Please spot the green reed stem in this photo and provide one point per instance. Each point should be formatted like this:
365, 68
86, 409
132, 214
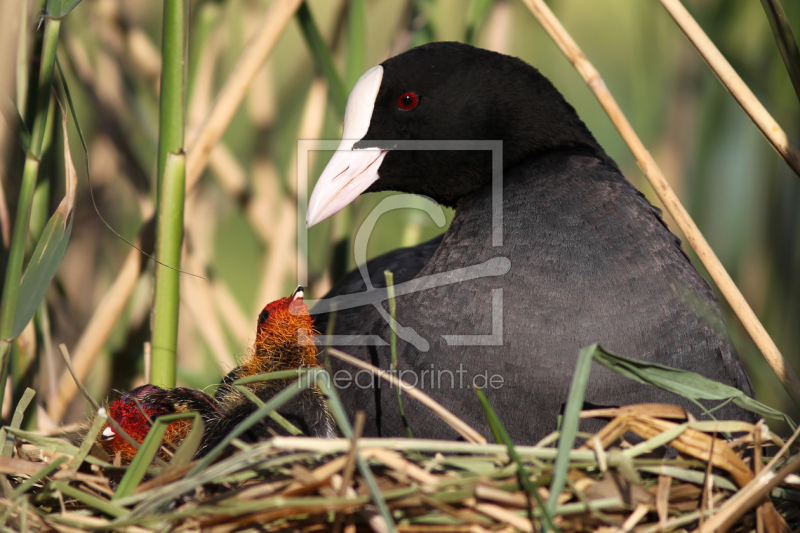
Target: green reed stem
393, 342
784, 37
322, 57
356, 41
170, 194
51, 30
166, 299
19, 236
171, 108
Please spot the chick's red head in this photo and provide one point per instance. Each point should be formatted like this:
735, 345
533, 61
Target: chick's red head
284, 337
131, 411
276, 314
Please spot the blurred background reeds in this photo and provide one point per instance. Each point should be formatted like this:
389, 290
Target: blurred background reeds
241, 216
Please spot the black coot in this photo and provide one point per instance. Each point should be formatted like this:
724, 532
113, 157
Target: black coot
584, 257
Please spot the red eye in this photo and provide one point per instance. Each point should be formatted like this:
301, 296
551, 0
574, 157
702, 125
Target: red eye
408, 101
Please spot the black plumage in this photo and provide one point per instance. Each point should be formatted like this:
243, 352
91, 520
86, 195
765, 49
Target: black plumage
591, 259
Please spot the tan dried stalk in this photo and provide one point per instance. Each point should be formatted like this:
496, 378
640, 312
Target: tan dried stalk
280, 258
232, 315
735, 85
463, 429
752, 495
197, 301
97, 331
670, 200
236, 87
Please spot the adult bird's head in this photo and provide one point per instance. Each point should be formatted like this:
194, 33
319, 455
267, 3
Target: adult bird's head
443, 91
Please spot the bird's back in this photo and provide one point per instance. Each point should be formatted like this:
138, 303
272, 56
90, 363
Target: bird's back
591, 261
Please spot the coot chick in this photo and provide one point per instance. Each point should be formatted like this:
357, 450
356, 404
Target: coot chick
588, 258
284, 341
136, 409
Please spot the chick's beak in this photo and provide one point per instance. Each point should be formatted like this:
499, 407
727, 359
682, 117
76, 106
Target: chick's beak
298, 293
296, 305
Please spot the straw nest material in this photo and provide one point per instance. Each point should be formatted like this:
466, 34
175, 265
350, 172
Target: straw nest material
303, 484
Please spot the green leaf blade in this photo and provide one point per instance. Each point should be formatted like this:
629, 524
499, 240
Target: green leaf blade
59, 8
683, 383
50, 249
570, 422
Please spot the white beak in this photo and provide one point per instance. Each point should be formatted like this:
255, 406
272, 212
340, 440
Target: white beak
297, 294
350, 171
348, 174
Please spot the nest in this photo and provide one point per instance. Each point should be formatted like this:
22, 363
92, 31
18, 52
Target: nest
709, 483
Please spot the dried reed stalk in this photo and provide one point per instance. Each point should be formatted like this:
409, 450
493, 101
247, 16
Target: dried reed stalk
464, 429
197, 301
673, 205
97, 331
752, 495
232, 315
236, 87
735, 85
279, 261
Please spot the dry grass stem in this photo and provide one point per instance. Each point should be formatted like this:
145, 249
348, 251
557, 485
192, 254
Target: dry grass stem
345, 488
197, 301
284, 230
295, 483
635, 517
232, 315
236, 87
97, 331
10, 15
463, 429
757, 467
266, 199
751, 495
662, 500
144, 54
229, 172
423, 445
503, 515
203, 87
734, 84
226, 168
670, 200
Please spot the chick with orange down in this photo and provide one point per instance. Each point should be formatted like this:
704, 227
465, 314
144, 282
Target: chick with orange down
284, 341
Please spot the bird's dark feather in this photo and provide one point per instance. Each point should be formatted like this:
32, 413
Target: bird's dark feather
591, 262
591, 259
